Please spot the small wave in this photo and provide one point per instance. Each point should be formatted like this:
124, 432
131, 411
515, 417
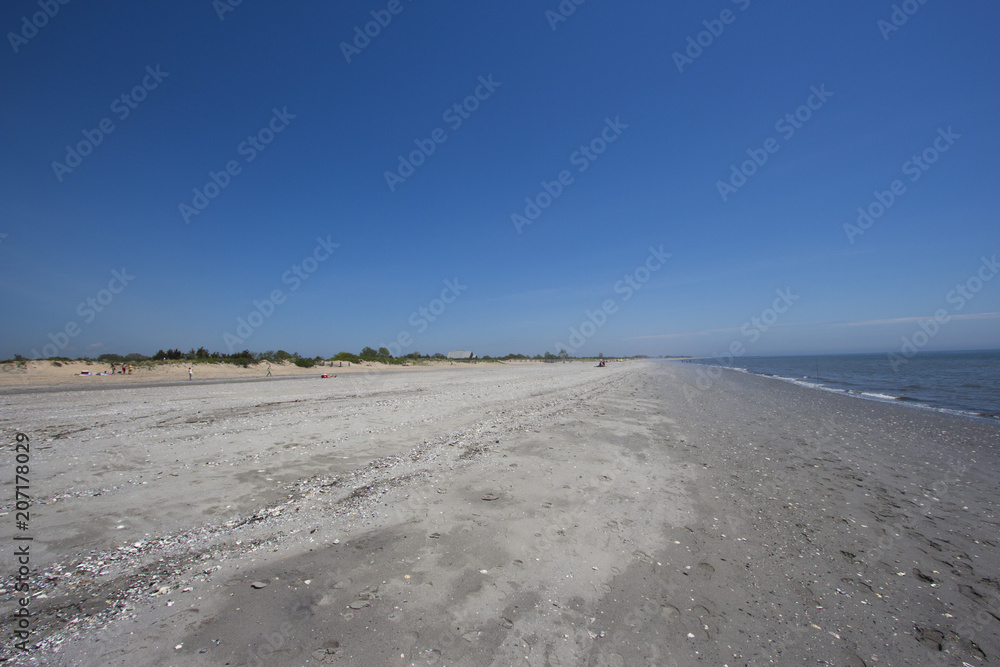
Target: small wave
814, 385
884, 397
966, 413
853, 389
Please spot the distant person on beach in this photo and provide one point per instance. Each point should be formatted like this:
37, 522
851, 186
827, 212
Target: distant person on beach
190, 373
269, 370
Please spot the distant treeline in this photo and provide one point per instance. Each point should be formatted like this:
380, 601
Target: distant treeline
246, 357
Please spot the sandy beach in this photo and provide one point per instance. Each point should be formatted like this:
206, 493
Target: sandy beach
537, 514
67, 374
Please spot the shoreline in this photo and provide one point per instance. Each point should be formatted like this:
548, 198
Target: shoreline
540, 513
872, 395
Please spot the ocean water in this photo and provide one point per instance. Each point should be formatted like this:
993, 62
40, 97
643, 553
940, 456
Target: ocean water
967, 383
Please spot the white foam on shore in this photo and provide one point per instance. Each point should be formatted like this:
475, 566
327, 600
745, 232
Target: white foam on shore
885, 397
871, 395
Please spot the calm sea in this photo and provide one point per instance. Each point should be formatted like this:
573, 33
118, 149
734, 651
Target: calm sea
962, 382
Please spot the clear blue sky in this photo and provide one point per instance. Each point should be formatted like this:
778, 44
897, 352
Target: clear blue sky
672, 128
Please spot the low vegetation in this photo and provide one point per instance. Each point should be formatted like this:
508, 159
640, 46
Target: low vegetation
246, 357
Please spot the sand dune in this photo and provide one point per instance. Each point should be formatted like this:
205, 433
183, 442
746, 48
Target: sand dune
68, 373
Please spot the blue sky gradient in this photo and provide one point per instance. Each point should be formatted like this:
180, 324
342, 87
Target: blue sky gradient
891, 91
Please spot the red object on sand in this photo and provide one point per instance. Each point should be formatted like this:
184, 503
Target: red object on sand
324, 375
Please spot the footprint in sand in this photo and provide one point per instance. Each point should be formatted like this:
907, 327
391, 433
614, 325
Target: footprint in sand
860, 585
990, 583
706, 620
703, 571
672, 616
929, 637
698, 622
972, 594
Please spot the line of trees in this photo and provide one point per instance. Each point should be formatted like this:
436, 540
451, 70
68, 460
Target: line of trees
246, 357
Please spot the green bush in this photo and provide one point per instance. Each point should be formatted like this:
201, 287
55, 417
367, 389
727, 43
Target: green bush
305, 363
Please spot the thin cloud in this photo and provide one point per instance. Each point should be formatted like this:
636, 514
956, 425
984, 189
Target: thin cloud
921, 318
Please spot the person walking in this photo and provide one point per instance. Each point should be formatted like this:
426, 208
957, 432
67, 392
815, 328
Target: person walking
190, 373
269, 370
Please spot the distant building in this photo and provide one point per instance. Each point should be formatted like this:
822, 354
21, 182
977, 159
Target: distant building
461, 354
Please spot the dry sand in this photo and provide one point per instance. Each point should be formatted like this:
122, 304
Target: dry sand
66, 374
541, 514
